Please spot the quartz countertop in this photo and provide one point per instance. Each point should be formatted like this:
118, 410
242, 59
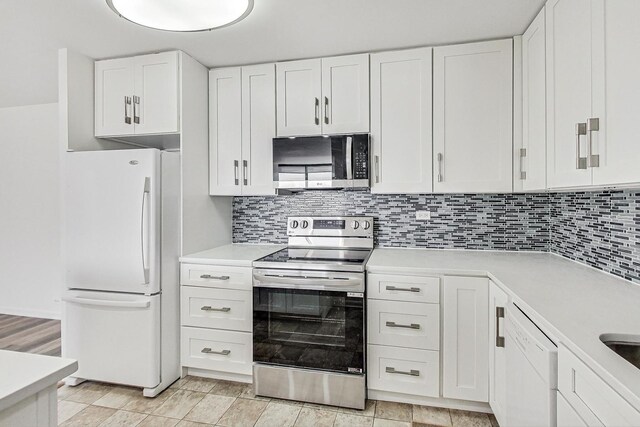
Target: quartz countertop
235, 254
573, 303
24, 374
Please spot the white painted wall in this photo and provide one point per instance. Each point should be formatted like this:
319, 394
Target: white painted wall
30, 255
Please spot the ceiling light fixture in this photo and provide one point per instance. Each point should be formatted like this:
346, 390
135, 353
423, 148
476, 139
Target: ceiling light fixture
182, 15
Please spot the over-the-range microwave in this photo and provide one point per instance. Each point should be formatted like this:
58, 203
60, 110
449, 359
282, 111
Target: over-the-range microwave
321, 162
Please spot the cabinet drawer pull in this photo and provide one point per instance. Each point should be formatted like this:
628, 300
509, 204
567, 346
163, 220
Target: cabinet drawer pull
399, 325
207, 350
412, 372
499, 315
209, 308
394, 288
581, 129
208, 276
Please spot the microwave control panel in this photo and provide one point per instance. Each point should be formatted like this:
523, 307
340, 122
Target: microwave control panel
361, 158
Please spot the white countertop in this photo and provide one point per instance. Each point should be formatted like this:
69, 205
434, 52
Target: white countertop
236, 254
573, 303
23, 375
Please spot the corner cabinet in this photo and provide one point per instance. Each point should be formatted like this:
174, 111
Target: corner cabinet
498, 300
401, 132
472, 117
137, 95
242, 125
323, 96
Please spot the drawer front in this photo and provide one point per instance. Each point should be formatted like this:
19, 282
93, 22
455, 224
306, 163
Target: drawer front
404, 324
217, 350
593, 399
404, 288
405, 371
213, 276
217, 308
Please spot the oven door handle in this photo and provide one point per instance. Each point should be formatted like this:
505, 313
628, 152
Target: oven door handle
308, 282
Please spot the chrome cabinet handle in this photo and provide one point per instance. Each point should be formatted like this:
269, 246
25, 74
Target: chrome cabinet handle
393, 288
326, 110
236, 180
376, 160
399, 325
593, 125
127, 103
146, 193
499, 315
581, 129
245, 167
523, 154
208, 276
412, 372
440, 157
136, 116
317, 110
207, 350
209, 308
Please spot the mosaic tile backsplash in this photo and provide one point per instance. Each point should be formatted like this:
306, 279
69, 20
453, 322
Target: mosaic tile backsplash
601, 229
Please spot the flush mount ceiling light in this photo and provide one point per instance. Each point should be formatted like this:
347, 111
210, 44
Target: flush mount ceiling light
182, 15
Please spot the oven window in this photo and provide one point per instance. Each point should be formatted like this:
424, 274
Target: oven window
308, 329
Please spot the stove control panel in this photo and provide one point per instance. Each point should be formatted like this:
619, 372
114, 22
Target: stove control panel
343, 226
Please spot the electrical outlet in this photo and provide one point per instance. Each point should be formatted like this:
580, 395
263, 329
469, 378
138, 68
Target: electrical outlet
423, 215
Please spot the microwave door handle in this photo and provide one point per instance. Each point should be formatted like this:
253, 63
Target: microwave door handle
349, 156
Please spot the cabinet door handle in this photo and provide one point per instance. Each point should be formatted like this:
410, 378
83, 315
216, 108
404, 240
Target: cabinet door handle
136, 116
127, 103
317, 111
207, 350
377, 167
499, 315
440, 157
326, 110
412, 372
245, 167
523, 154
581, 129
208, 276
593, 125
399, 325
209, 308
235, 172
393, 288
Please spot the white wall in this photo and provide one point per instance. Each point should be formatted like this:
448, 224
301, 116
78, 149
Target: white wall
30, 256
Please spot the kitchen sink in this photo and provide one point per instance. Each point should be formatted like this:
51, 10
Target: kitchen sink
625, 346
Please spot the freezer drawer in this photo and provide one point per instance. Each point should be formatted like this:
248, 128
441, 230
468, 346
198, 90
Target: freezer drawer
114, 337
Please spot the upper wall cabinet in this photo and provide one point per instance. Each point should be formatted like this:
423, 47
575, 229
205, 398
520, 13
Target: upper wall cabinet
401, 113
328, 95
242, 123
533, 157
137, 95
472, 117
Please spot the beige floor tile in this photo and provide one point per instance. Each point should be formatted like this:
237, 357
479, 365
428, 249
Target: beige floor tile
228, 388
393, 411
351, 420
278, 414
210, 409
181, 382
124, 419
381, 422
288, 402
203, 385
185, 423
89, 392
179, 404
67, 409
312, 417
469, 419
139, 403
368, 411
65, 391
155, 421
243, 412
118, 397
90, 416
431, 415
322, 407
247, 393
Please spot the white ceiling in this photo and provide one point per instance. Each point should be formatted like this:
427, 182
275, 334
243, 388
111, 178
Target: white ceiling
31, 31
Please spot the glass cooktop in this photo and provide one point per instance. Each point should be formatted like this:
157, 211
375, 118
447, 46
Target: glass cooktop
315, 259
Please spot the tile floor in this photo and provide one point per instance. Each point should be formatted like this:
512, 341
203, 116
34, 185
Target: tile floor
193, 401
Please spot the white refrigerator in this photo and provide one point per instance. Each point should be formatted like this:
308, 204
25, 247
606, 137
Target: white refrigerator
121, 249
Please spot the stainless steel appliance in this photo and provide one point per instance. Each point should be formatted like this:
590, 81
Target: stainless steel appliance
337, 161
309, 313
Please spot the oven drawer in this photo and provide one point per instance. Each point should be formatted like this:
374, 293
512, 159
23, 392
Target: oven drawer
407, 371
404, 288
217, 308
217, 350
404, 324
214, 276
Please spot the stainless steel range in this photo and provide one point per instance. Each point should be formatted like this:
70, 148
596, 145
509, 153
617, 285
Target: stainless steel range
309, 313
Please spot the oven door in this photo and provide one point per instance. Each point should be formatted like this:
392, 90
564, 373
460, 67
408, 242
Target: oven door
308, 328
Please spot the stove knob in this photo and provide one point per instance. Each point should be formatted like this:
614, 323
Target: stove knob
355, 225
366, 225
293, 224
304, 224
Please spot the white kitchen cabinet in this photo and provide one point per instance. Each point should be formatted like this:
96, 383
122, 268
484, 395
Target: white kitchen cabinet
472, 117
323, 96
567, 416
401, 113
465, 342
498, 300
533, 155
242, 125
137, 95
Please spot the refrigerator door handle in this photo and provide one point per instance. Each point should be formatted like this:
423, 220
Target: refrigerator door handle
107, 303
144, 228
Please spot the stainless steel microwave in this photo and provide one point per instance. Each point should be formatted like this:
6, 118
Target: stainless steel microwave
321, 162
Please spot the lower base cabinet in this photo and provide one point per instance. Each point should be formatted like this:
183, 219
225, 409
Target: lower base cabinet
567, 416
498, 301
217, 350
